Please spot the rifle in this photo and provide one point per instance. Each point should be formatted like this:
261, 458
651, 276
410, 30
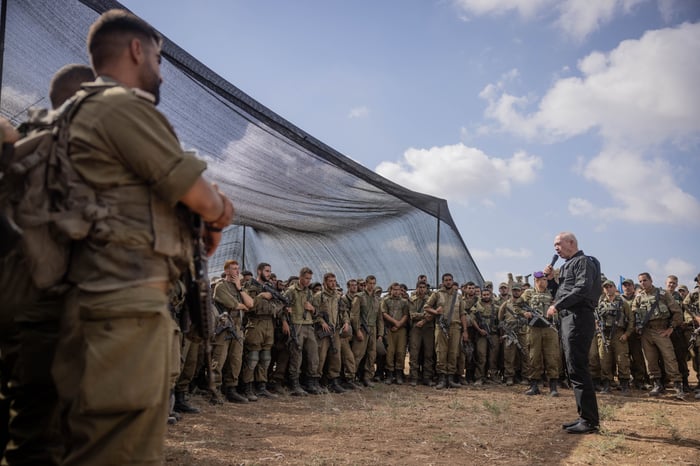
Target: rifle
468, 350
639, 325
198, 294
444, 322
484, 326
276, 295
510, 337
693, 338
226, 324
601, 330
538, 320
321, 334
293, 337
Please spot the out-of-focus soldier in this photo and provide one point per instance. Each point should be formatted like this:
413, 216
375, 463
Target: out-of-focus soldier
422, 341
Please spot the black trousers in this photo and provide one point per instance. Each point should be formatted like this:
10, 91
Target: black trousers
577, 328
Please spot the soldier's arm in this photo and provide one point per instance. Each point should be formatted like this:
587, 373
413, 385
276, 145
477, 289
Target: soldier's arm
630, 318
355, 314
405, 315
223, 296
674, 307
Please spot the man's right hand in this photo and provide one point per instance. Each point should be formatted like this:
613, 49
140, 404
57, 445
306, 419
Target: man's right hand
8, 133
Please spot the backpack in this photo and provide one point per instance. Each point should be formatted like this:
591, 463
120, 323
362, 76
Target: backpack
44, 195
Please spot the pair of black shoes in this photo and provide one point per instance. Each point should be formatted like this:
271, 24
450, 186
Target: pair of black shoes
579, 426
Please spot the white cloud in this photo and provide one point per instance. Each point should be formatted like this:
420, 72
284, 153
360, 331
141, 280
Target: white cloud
483, 254
460, 173
576, 18
639, 96
359, 112
673, 266
642, 92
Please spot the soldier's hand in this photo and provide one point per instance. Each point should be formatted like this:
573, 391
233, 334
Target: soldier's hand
552, 311
285, 327
265, 295
482, 332
667, 332
623, 338
527, 314
438, 310
420, 323
465, 336
360, 336
309, 307
394, 328
325, 327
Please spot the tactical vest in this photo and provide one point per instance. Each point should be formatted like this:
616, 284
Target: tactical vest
298, 297
540, 301
330, 305
647, 303
395, 307
442, 298
261, 307
613, 313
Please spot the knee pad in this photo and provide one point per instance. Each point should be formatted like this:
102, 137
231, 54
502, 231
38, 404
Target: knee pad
265, 358
252, 358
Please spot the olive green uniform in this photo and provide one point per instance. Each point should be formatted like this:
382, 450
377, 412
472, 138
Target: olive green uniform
658, 311
397, 308
543, 342
306, 346
366, 316
486, 347
447, 346
511, 314
347, 358
618, 321
259, 335
112, 365
326, 303
638, 368
422, 340
691, 307
227, 350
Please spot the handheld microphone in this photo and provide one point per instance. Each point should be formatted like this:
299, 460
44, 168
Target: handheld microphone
555, 258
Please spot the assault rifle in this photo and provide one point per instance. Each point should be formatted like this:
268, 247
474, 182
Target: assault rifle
693, 338
293, 337
601, 330
468, 350
510, 337
538, 320
321, 334
276, 295
198, 297
483, 325
224, 323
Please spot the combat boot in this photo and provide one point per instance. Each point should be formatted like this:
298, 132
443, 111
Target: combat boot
686, 385
534, 388
453, 382
509, 381
249, 392
625, 387
182, 406
313, 388
442, 382
658, 388
367, 383
335, 387
234, 397
553, 387
399, 377
605, 387
389, 379
261, 390
215, 399
295, 389
680, 394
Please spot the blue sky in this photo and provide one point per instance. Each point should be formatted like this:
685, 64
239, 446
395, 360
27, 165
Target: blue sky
529, 116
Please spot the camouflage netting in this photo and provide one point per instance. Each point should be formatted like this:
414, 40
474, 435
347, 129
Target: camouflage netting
299, 202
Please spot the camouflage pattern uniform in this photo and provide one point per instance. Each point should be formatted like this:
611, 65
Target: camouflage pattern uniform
422, 339
543, 342
618, 321
398, 309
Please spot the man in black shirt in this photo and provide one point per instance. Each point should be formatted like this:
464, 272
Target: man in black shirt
576, 297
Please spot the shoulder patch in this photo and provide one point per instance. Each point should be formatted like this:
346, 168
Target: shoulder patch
140, 93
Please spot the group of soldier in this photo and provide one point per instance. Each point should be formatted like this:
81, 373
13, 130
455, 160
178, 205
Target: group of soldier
297, 338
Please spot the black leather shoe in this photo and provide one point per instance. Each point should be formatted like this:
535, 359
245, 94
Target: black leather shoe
582, 427
566, 425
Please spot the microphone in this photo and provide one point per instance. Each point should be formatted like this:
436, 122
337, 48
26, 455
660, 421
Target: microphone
555, 258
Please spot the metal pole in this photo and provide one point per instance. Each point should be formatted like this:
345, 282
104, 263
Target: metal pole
243, 251
3, 18
437, 250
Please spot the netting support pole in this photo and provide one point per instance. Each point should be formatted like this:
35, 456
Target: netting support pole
437, 250
243, 251
3, 18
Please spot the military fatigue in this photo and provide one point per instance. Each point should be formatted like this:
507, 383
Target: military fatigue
543, 342
307, 343
365, 310
487, 346
691, 306
326, 303
465, 368
397, 308
618, 321
259, 336
638, 367
118, 322
680, 341
447, 346
347, 358
227, 350
511, 315
189, 357
662, 312
422, 340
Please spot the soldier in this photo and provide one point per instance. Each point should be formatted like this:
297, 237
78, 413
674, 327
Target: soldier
395, 312
615, 321
503, 294
304, 343
368, 326
118, 322
638, 366
691, 304
657, 315
448, 309
512, 318
465, 366
487, 341
422, 338
678, 337
259, 334
346, 356
543, 339
29, 331
231, 300
329, 323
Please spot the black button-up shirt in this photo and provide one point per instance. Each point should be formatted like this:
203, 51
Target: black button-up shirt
579, 284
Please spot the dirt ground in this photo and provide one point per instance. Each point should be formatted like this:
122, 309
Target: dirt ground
394, 424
